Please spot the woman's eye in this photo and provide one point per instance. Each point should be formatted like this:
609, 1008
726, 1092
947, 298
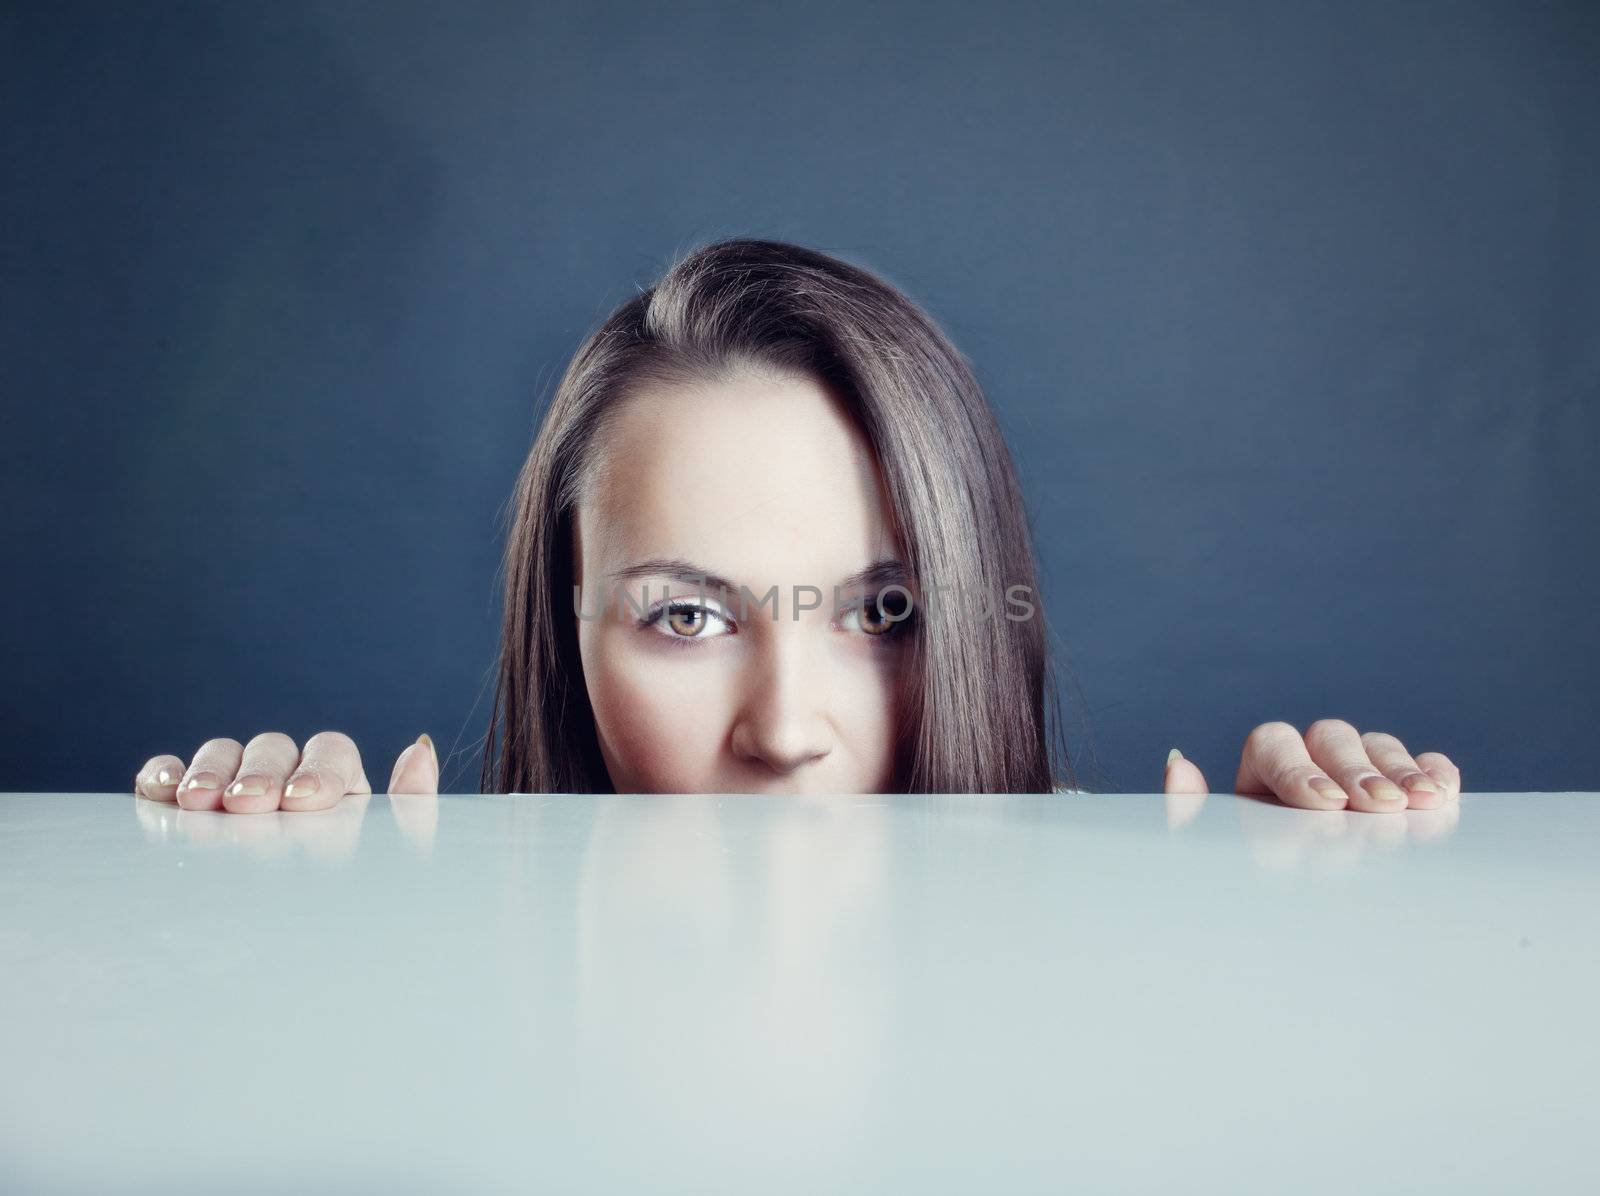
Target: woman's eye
880, 615
689, 620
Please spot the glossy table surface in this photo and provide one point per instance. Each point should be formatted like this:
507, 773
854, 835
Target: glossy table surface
755, 994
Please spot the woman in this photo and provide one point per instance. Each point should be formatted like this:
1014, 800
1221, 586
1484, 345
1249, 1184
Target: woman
769, 539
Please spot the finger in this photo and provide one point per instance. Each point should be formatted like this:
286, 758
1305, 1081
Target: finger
214, 765
158, 779
417, 768
329, 768
1275, 763
1183, 775
268, 760
1336, 747
1438, 766
1392, 759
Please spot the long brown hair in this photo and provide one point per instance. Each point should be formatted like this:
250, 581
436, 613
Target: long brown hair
978, 689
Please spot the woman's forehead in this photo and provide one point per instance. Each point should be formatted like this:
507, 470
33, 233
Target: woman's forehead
753, 475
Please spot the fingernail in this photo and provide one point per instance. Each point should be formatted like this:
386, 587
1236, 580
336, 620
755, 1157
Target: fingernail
302, 785
1439, 777
427, 742
1417, 783
1174, 754
1382, 789
247, 787
203, 780
167, 776
1326, 788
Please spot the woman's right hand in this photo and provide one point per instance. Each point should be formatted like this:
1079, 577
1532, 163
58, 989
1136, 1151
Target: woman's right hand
270, 773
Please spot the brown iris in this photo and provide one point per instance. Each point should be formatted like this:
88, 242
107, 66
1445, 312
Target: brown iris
882, 612
687, 620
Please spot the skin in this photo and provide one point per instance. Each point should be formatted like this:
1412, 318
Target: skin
767, 482
1331, 767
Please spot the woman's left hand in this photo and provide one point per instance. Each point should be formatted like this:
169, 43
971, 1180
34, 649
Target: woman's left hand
1334, 767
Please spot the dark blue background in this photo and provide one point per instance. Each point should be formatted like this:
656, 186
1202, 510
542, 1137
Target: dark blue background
1289, 311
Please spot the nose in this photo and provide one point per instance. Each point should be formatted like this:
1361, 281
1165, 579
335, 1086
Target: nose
782, 723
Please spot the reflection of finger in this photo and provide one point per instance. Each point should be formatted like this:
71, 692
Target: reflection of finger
202, 827
1335, 841
1183, 808
158, 820
326, 834
1427, 826
1275, 842
1289, 840
1382, 831
211, 828
261, 837
417, 816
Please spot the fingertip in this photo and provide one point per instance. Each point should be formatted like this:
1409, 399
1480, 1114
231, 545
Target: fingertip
1180, 780
1320, 793
415, 771
1182, 775
1451, 789
322, 798
1372, 805
431, 768
200, 799
1378, 795
158, 782
1314, 802
1423, 799
250, 797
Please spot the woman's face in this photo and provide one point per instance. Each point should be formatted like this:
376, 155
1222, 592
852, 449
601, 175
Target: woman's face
754, 482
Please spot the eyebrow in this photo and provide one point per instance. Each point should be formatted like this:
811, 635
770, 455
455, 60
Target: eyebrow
886, 572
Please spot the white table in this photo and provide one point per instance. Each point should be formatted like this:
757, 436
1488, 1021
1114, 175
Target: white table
748, 994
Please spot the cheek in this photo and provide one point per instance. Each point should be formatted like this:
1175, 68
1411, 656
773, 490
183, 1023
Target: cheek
868, 707
662, 721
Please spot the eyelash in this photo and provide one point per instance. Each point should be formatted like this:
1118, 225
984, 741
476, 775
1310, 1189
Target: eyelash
660, 611
656, 613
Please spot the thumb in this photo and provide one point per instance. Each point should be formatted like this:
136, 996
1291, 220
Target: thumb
1183, 776
417, 769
